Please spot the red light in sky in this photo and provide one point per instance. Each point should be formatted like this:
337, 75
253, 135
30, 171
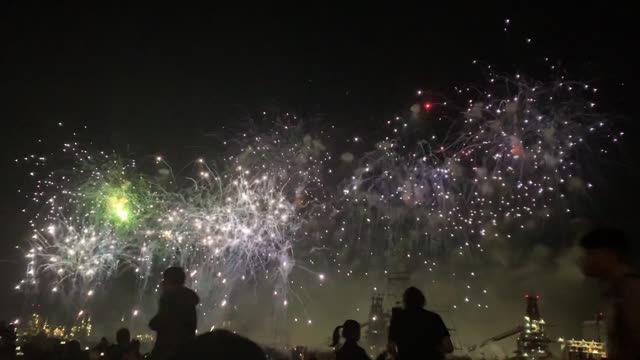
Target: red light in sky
526, 296
516, 150
427, 106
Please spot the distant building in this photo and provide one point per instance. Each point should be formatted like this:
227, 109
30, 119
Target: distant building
582, 349
595, 329
593, 348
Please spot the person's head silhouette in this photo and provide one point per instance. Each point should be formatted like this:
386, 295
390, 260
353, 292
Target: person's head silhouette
221, 344
173, 277
350, 332
413, 298
74, 348
123, 337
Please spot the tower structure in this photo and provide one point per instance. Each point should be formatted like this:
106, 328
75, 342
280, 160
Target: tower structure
376, 335
533, 342
379, 319
397, 282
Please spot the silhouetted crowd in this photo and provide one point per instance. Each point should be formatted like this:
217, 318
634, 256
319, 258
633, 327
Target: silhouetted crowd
414, 332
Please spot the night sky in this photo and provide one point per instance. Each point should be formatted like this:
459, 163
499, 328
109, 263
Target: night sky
155, 80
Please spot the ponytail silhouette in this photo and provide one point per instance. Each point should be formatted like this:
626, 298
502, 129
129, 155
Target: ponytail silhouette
336, 336
350, 332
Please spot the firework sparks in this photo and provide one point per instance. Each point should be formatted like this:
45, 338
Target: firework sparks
447, 179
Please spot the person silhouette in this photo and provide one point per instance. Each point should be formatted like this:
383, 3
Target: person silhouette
221, 344
7, 341
133, 351
418, 333
176, 321
73, 351
123, 340
351, 334
102, 347
606, 258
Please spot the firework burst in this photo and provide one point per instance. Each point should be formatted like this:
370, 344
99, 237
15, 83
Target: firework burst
448, 178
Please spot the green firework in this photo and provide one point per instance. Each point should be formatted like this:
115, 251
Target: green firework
117, 195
